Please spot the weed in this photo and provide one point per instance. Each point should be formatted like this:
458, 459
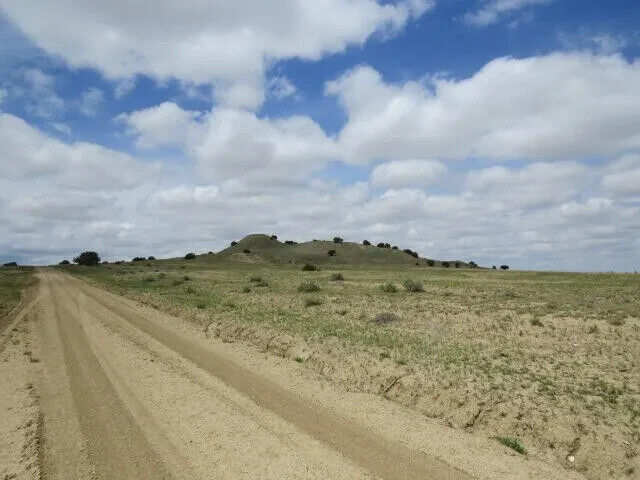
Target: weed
615, 321
336, 277
308, 287
255, 278
412, 286
312, 302
299, 359
246, 289
535, 321
388, 288
308, 267
385, 318
513, 443
201, 306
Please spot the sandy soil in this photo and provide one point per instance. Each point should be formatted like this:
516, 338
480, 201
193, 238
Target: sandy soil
113, 389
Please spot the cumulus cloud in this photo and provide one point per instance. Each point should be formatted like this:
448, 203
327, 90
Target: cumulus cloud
407, 173
39, 97
555, 106
29, 153
491, 10
237, 145
90, 101
227, 44
280, 87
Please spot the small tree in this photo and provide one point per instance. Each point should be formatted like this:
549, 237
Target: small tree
274, 237
246, 250
290, 242
395, 247
190, 256
87, 259
430, 262
494, 267
151, 257
337, 240
387, 245
64, 262
504, 267
331, 253
380, 245
366, 242
445, 264
457, 264
138, 259
473, 264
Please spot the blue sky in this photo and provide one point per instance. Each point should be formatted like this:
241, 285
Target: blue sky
500, 131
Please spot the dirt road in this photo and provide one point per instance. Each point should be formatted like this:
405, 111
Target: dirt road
114, 389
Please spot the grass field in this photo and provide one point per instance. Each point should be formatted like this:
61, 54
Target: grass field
550, 361
12, 282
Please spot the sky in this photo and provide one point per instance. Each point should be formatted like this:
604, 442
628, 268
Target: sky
498, 131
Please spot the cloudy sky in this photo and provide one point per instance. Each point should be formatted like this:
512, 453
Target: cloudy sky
499, 131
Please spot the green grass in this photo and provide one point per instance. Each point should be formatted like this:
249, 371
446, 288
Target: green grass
513, 443
13, 280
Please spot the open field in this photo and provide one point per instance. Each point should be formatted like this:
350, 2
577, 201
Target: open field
546, 363
94, 385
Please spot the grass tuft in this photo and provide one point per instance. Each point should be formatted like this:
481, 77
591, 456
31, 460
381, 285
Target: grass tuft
308, 287
513, 443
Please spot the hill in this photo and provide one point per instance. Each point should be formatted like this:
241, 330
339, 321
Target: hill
259, 248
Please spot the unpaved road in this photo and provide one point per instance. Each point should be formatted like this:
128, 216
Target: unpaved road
111, 389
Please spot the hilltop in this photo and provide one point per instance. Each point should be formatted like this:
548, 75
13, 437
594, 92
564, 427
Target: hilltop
260, 248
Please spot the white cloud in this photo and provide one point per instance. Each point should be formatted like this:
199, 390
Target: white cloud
163, 125
227, 44
555, 106
622, 177
29, 153
236, 145
3, 94
491, 11
90, 101
407, 173
40, 98
535, 185
124, 87
280, 87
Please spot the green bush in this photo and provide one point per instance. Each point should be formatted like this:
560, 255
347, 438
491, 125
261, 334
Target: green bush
446, 264
308, 287
412, 286
331, 253
255, 278
385, 318
336, 277
190, 256
308, 267
430, 262
388, 288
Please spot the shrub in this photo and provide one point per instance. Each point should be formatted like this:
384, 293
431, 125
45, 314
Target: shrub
87, 258
234, 243
387, 245
190, 256
201, 306
430, 262
504, 267
380, 245
337, 240
274, 237
210, 253
388, 288
513, 443
290, 242
262, 283
385, 318
445, 264
331, 253
246, 250
366, 242
138, 259
64, 262
151, 258
308, 267
494, 267
412, 286
408, 251
395, 247
255, 278
10, 264
457, 264
308, 287
336, 277
536, 322
616, 322
246, 289
312, 302
473, 264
